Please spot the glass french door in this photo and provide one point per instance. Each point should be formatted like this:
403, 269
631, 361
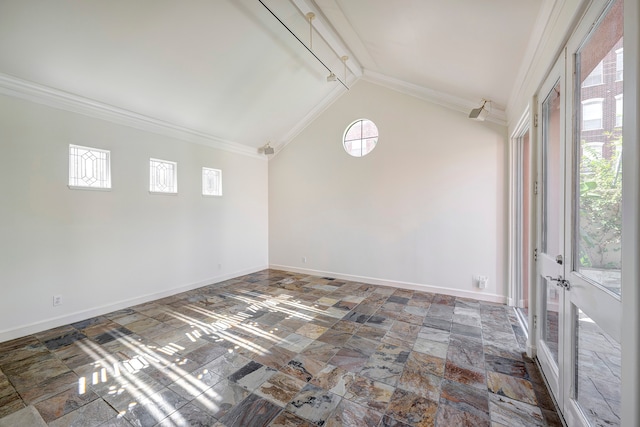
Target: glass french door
550, 258
594, 212
579, 267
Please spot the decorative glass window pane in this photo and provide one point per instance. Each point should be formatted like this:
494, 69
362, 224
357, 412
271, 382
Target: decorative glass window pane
211, 182
89, 167
163, 176
592, 114
619, 64
595, 78
360, 138
619, 108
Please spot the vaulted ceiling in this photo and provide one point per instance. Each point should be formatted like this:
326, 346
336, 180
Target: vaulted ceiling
229, 71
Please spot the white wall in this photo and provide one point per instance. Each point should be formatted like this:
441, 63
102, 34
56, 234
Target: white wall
105, 250
426, 208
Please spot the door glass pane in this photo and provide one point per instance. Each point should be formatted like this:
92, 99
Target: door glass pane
599, 132
597, 373
550, 331
551, 173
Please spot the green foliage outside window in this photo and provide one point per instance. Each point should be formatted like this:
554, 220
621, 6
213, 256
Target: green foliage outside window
601, 207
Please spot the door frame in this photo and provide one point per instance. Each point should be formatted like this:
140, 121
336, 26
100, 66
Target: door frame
631, 219
516, 271
546, 264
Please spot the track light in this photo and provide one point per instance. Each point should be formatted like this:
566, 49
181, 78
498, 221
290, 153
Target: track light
344, 62
332, 76
481, 113
310, 16
268, 149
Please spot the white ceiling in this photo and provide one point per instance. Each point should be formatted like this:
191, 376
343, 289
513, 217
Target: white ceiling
227, 69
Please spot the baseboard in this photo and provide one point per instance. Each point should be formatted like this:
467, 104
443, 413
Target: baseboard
55, 322
553, 399
500, 299
531, 350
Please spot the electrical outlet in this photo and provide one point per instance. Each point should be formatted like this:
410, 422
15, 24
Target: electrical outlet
57, 300
304, 259
482, 281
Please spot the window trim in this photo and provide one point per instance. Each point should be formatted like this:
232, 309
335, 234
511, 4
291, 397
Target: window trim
219, 173
107, 167
361, 139
175, 177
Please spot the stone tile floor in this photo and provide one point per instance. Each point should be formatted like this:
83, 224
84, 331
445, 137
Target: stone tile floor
281, 349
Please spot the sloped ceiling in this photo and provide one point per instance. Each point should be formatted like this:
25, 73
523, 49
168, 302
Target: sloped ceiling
470, 49
228, 70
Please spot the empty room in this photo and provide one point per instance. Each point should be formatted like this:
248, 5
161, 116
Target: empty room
239, 213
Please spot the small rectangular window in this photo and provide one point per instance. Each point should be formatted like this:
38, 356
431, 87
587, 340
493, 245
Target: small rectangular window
592, 114
211, 182
619, 64
619, 109
89, 167
163, 176
595, 78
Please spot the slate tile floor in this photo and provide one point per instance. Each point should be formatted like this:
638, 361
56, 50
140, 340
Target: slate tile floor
280, 349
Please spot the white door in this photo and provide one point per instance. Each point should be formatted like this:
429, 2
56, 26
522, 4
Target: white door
594, 220
580, 215
551, 175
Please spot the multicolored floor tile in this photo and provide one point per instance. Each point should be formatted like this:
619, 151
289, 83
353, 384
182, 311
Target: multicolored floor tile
252, 411
282, 349
314, 404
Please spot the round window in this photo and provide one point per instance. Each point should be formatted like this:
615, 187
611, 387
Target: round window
360, 138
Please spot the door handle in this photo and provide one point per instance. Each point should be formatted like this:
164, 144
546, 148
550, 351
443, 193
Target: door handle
560, 281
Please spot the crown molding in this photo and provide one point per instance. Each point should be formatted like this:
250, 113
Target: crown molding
497, 116
40, 94
319, 108
443, 99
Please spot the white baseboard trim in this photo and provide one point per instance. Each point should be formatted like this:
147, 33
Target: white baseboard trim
531, 351
54, 322
500, 299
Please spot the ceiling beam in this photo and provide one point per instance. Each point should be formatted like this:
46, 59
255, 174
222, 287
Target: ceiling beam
333, 40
